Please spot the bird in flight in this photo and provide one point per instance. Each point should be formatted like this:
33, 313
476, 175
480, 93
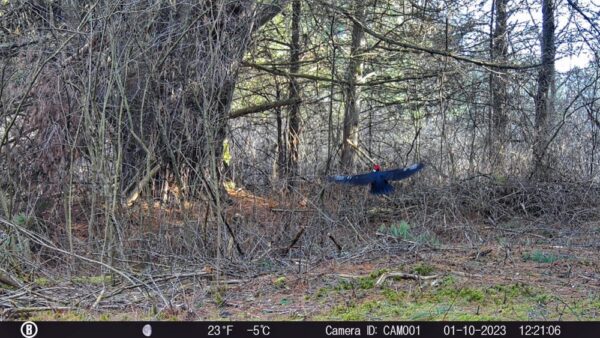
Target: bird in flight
378, 179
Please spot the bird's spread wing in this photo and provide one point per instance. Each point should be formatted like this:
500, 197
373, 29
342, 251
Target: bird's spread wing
363, 179
399, 174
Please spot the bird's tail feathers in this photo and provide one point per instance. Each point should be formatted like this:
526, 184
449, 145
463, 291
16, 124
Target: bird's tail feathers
382, 189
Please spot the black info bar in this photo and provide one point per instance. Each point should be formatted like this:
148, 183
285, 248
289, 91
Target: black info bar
299, 329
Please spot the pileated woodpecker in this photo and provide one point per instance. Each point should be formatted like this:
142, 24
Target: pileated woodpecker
378, 179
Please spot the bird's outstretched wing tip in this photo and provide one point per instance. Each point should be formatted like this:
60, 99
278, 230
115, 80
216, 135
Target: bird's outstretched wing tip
338, 178
416, 166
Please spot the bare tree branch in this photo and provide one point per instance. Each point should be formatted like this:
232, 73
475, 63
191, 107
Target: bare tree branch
262, 107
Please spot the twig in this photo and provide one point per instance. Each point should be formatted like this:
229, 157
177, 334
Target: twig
99, 298
296, 238
289, 210
588, 278
337, 245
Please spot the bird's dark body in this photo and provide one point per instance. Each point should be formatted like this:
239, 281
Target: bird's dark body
379, 180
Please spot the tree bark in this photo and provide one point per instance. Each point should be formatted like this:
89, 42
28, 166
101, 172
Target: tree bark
544, 99
352, 106
294, 119
280, 161
499, 114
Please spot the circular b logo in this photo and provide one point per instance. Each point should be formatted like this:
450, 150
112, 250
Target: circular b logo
29, 329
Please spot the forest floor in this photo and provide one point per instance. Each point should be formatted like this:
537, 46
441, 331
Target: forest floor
533, 282
535, 277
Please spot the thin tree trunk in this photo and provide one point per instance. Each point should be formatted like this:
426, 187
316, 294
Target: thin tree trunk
544, 99
352, 106
294, 122
499, 114
281, 143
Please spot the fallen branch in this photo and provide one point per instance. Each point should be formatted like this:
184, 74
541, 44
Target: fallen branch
402, 275
9, 279
141, 184
99, 298
349, 276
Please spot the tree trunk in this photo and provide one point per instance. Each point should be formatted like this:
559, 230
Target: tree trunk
544, 99
352, 107
499, 114
294, 122
280, 161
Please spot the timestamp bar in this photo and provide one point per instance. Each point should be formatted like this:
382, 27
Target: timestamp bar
298, 329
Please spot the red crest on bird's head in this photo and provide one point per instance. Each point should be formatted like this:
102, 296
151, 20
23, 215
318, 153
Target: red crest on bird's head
376, 167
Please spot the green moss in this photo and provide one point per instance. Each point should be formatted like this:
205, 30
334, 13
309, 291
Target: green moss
280, 282
229, 185
104, 317
393, 296
92, 280
355, 312
73, 315
448, 302
344, 284
471, 295
377, 273
448, 281
543, 298
366, 283
423, 269
322, 292
42, 281
460, 295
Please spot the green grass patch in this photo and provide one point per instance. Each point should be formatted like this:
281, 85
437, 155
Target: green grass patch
423, 269
540, 257
450, 302
402, 230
